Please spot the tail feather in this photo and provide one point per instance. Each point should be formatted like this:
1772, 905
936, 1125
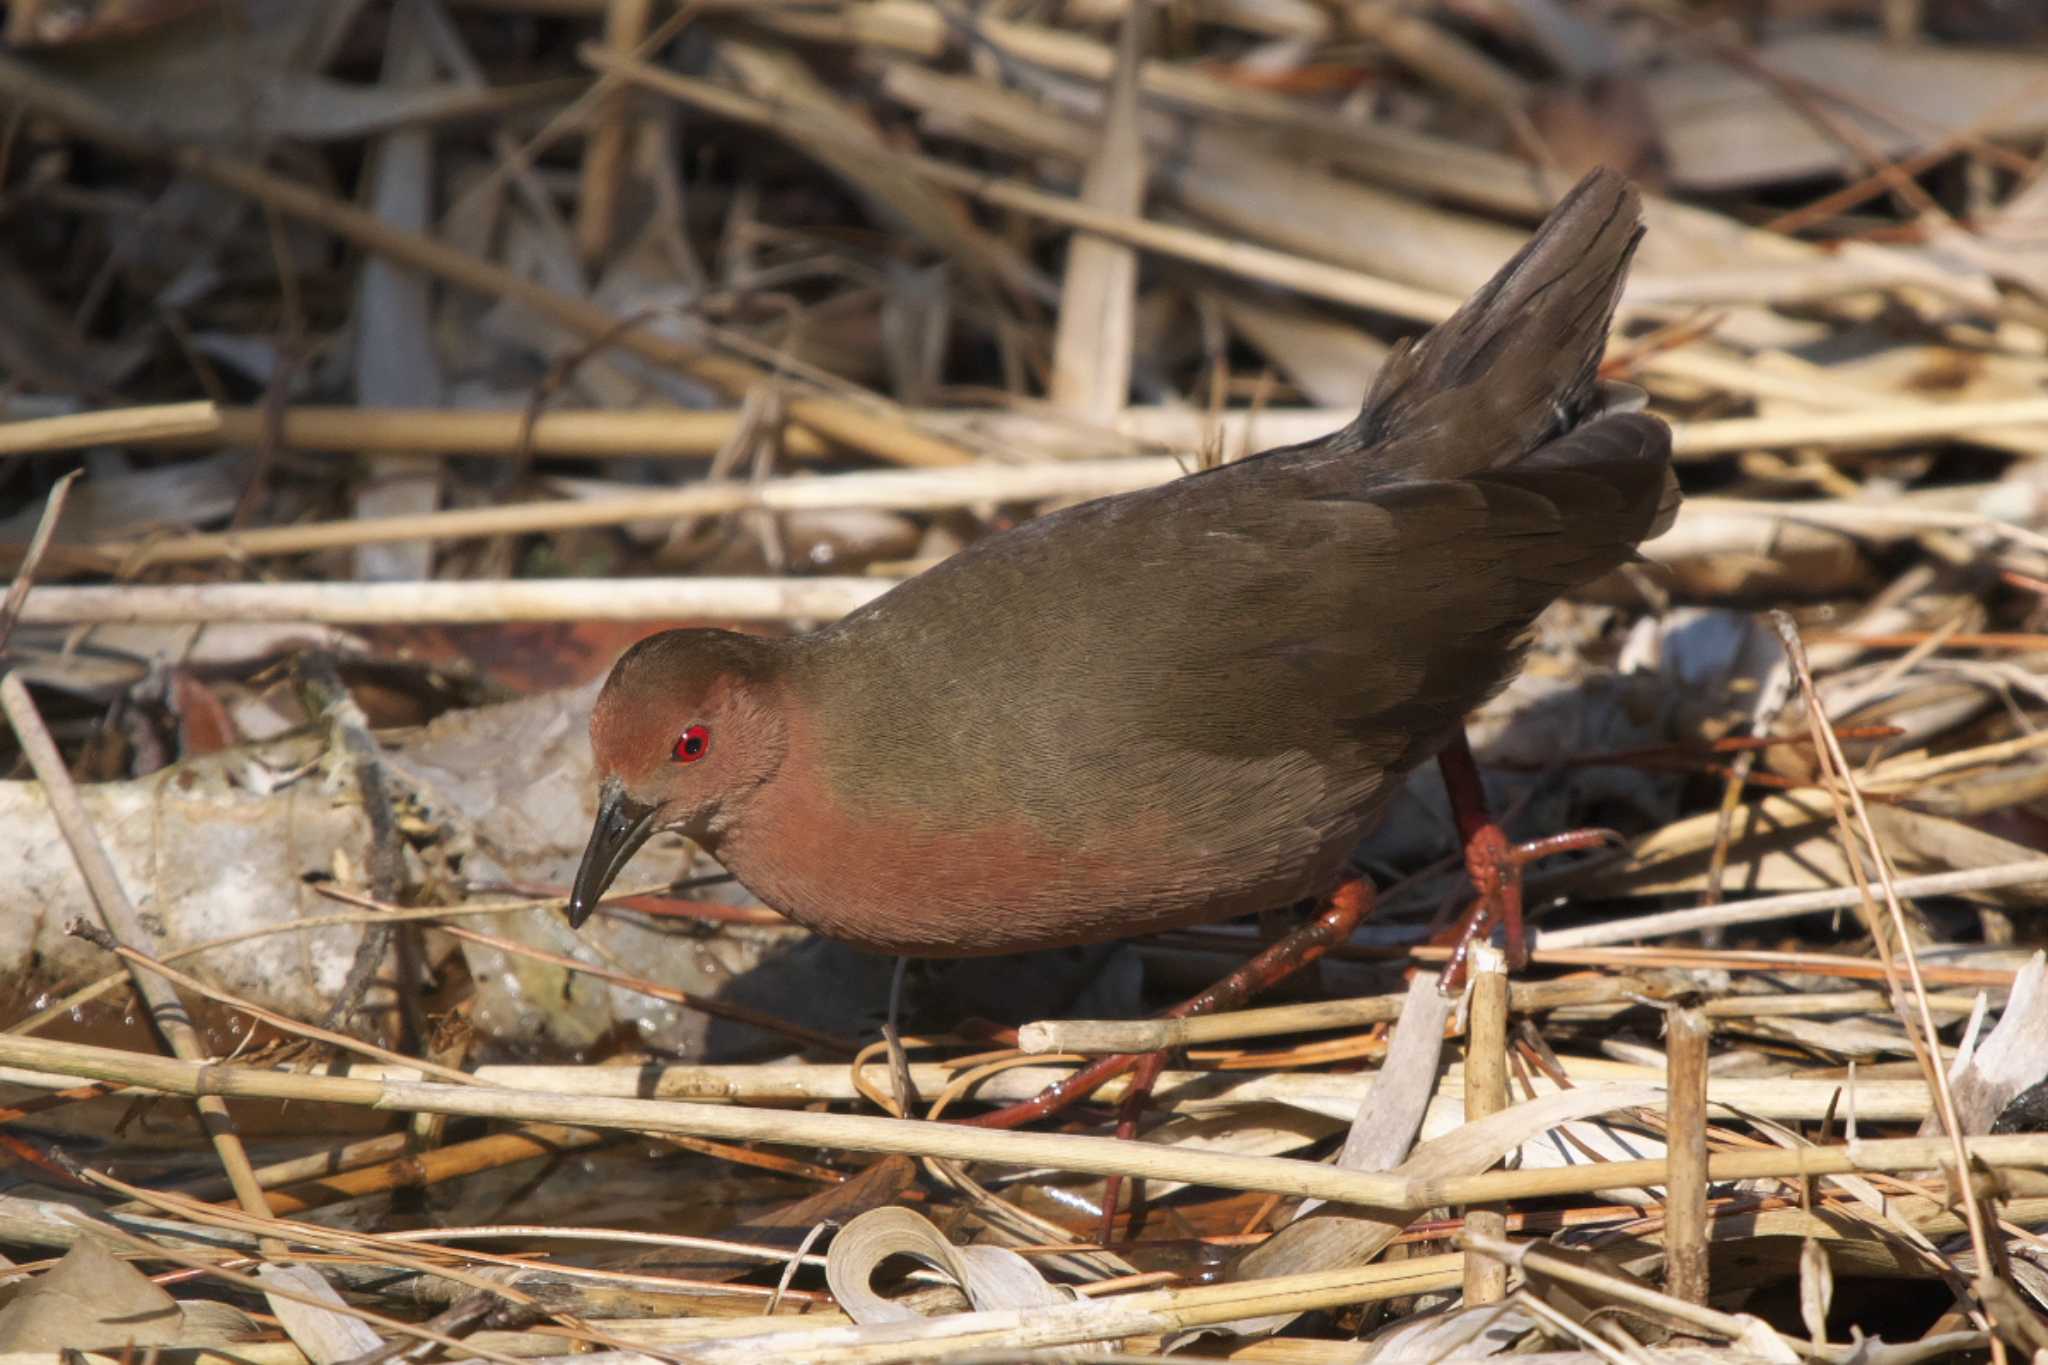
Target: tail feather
1518, 364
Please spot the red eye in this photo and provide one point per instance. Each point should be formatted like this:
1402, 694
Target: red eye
694, 744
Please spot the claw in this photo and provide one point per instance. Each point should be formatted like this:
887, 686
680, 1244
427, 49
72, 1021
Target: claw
1494, 865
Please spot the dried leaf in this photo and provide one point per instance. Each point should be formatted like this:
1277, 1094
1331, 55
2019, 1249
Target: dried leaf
990, 1277
91, 1298
1816, 1290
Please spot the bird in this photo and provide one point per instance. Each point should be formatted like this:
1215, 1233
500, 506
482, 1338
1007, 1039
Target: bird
1175, 705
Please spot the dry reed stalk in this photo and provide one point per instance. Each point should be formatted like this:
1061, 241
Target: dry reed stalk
1871, 427
1094, 335
491, 601
604, 152
153, 425
1375, 149
1103, 1037
141, 964
1785, 1099
699, 433
1486, 1093
1791, 903
1092, 1037
1810, 962
1864, 517
1686, 1035
631, 434
903, 490
332, 1161
282, 1296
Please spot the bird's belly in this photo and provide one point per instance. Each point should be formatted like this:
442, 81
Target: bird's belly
906, 888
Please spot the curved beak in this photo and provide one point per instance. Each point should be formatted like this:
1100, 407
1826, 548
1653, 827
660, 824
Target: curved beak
623, 824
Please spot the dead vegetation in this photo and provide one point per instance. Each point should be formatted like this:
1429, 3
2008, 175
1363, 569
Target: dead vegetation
419, 355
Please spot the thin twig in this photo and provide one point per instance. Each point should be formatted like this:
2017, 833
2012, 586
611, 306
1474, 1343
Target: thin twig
25, 576
1919, 1027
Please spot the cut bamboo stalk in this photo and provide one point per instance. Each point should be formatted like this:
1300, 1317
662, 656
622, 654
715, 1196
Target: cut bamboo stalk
1686, 1034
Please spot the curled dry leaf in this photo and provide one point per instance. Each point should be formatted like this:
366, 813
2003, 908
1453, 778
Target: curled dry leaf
990, 1277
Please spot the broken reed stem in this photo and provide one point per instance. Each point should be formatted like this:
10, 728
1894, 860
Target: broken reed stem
1686, 1034
118, 918
1093, 1155
1486, 1093
154, 424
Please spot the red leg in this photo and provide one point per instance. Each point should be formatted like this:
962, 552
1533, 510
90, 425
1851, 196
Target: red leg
1349, 904
1143, 1079
1494, 865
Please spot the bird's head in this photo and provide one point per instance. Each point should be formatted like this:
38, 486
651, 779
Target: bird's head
689, 724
